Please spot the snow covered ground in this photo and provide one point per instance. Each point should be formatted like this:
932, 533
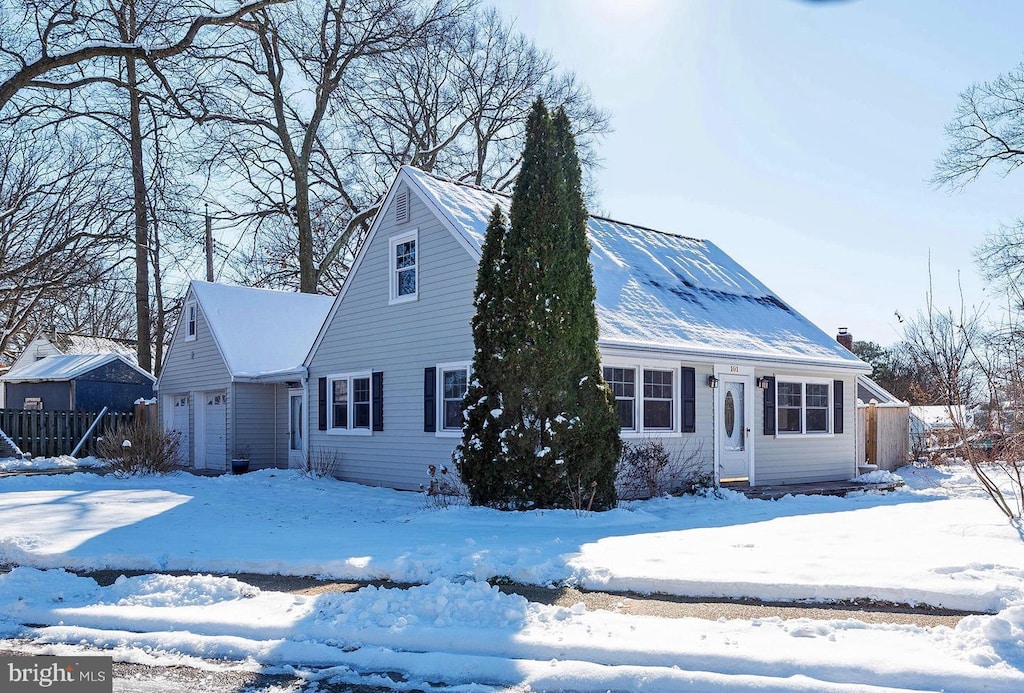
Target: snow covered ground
36, 464
939, 541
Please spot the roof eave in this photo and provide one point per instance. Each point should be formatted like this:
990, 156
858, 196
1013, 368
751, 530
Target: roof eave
746, 357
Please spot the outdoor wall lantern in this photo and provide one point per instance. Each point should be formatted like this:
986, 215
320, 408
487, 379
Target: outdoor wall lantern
712, 381
762, 383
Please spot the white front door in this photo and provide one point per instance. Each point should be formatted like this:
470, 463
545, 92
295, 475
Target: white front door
296, 420
733, 423
214, 432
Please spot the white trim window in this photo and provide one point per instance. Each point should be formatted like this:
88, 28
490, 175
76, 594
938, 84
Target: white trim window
349, 404
654, 409
403, 260
622, 381
803, 406
191, 321
452, 384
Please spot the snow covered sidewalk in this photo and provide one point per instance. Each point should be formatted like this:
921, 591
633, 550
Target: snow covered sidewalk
467, 633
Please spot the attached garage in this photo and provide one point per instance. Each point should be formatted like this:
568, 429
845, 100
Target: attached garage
234, 374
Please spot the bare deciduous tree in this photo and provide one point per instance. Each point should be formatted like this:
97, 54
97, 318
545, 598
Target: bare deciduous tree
53, 44
56, 225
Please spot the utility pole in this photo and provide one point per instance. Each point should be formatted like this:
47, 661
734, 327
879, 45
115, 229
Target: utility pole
209, 245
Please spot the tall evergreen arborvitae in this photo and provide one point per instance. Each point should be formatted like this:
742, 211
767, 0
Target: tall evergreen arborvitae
477, 455
549, 436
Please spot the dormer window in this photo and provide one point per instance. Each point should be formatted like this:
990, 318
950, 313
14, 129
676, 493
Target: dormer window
190, 321
404, 267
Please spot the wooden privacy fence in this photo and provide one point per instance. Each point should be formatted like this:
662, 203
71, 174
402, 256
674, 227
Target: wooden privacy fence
52, 433
883, 434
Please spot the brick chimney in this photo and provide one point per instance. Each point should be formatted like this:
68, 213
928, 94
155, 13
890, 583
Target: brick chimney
845, 338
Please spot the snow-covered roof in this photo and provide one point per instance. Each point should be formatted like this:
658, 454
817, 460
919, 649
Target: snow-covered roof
65, 367
260, 331
939, 416
661, 290
85, 344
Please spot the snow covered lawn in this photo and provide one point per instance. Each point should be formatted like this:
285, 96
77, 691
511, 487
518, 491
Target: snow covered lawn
938, 541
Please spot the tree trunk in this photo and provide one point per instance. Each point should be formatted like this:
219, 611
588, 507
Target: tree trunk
142, 317
304, 226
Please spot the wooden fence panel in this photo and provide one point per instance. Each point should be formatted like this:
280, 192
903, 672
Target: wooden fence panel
52, 433
883, 435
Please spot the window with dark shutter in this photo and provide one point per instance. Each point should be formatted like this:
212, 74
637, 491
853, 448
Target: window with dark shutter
430, 400
321, 392
769, 407
688, 405
378, 400
837, 406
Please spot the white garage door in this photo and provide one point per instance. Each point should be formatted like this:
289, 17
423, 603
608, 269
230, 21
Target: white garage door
179, 423
214, 430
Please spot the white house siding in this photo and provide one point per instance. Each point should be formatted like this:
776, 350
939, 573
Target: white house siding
400, 340
788, 459
261, 423
192, 367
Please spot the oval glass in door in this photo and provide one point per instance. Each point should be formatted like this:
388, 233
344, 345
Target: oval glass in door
732, 415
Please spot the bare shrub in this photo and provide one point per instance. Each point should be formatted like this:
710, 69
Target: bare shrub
646, 470
444, 488
321, 462
139, 448
581, 495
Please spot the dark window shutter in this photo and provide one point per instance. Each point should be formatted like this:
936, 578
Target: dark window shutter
322, 404
769, 407
430, 400
837, 406
688, 405
378, 400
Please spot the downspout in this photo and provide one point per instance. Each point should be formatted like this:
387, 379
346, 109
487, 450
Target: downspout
306, 428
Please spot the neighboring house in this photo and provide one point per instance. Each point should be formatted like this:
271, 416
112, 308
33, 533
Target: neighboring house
233, 376
50, 342
77, 382
927, 422
699, 354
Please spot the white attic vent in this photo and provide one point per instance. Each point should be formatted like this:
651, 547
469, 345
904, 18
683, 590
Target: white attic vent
402, 206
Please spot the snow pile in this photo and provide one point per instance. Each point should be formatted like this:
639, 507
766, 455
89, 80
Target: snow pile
879, 476
167, 590
441, 603
17, 464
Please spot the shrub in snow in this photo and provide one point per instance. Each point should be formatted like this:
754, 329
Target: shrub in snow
444, 488
321, 462
540, 428
646, 470
139, 448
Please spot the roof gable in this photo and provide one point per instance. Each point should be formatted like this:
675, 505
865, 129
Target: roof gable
660, 290
260, 331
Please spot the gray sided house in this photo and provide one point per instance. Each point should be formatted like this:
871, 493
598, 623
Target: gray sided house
699, 353
232, 382
77, 382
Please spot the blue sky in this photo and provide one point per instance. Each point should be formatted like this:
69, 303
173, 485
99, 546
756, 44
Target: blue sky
797, 136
